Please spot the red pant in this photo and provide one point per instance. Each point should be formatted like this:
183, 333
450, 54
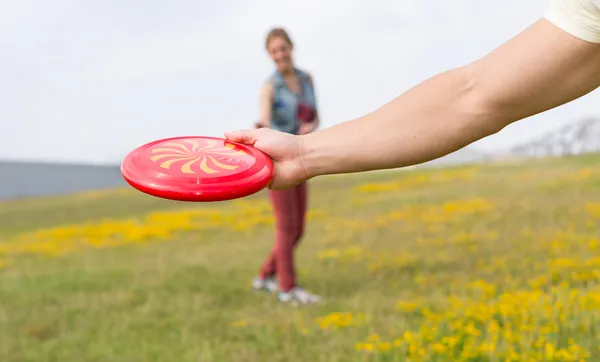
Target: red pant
290, 211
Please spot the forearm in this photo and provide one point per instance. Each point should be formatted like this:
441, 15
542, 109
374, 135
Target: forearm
437, 117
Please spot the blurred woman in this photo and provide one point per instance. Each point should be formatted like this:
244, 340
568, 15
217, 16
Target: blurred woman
287, 104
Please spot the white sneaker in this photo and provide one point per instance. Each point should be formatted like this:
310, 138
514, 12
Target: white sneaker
268, 284
298, 295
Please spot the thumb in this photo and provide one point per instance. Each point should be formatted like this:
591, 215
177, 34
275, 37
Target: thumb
247, 136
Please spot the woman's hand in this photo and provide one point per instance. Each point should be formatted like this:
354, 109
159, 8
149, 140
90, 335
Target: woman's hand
306, 128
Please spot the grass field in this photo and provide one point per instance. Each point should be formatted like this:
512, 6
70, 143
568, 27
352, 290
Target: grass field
474, 263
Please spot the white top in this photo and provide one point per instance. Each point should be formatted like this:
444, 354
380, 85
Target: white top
580, 18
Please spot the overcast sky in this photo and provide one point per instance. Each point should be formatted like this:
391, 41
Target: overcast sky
87, 81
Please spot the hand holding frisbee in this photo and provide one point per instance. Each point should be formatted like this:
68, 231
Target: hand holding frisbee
285, 149
197, 169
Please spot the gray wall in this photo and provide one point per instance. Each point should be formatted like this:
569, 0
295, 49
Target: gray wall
22, 179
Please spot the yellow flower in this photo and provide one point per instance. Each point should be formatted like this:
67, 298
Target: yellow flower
439, 348
328, 254
339, 320
369, 347
408, 306
384, 346
593, 209
240, 323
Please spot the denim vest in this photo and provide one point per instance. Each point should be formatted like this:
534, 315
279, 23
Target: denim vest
284, 111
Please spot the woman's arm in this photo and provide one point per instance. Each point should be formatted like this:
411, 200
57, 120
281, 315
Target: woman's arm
309, 127
539, 69
265, 106
316, 121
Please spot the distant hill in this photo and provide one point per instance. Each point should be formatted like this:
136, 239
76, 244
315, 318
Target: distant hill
579, 137
24, 179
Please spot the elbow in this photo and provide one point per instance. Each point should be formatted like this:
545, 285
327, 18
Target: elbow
260, 124
485, 112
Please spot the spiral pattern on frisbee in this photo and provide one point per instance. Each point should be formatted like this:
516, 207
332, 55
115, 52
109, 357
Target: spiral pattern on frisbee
198, 157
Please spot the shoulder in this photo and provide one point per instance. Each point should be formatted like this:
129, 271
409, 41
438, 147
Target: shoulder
580, 18
267, 88
309, 78
270, 81
306, 75
303, 73
274, 80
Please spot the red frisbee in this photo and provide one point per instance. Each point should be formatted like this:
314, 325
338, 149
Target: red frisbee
197, 169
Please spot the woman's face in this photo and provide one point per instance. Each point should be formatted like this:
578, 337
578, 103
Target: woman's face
280, 52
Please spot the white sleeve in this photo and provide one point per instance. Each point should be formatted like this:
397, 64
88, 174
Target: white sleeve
580, 18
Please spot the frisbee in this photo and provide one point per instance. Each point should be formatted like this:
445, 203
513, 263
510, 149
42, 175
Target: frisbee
197, 169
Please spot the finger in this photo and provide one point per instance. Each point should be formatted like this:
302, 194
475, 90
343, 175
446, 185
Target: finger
247, 136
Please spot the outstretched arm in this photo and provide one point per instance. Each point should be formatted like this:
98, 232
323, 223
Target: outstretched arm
539, 69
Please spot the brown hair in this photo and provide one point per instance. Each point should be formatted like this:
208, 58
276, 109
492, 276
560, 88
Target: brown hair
278, 32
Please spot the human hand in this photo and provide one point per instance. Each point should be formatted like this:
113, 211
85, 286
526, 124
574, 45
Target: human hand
306, 128
286, 151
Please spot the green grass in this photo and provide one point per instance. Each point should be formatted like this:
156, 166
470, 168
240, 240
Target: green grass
423, 236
